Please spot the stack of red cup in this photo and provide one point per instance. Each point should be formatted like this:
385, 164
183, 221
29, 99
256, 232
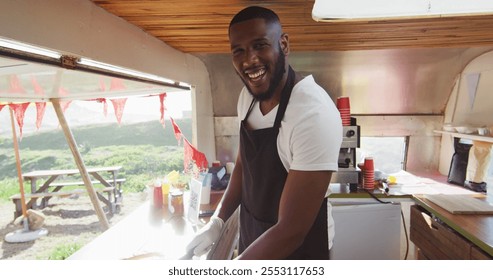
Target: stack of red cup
344, 110
369, 174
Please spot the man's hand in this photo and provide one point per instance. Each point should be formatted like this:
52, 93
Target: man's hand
206, 236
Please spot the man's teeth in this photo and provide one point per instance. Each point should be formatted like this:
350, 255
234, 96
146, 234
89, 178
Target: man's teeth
256, 74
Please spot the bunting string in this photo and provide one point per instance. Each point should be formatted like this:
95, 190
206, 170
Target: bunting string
191, 154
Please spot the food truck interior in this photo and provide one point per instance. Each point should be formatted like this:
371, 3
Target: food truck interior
419, 90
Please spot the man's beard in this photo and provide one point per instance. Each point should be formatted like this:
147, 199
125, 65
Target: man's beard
274, 81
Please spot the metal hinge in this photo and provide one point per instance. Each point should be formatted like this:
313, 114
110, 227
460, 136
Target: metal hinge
68, 61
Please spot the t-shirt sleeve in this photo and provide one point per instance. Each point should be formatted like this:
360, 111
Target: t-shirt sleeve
316, 140
241, 107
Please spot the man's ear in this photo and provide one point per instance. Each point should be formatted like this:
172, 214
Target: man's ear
284, 43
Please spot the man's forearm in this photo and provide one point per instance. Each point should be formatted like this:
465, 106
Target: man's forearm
232, 196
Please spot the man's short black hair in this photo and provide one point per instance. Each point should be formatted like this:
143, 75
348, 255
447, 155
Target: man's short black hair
254, 12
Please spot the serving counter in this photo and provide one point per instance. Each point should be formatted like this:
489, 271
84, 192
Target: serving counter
147, 233
410, 191
439, 234
150, 233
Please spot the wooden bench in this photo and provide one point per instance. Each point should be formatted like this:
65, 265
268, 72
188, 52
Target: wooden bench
113, 200
117, 192
80, 183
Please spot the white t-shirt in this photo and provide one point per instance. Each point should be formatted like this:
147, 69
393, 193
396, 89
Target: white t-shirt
310, 136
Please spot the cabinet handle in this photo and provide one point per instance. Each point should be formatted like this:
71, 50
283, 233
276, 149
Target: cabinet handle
433, 227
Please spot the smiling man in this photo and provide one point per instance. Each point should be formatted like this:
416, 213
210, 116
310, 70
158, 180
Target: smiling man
290, 136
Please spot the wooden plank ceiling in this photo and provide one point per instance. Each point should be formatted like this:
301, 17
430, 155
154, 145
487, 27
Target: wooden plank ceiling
200, 26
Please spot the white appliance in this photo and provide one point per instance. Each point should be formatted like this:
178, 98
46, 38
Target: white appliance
366, 230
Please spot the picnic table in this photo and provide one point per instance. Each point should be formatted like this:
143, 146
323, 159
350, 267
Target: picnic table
56, 180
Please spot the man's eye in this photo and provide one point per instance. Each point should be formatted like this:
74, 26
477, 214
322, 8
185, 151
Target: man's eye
260, 45
237, 51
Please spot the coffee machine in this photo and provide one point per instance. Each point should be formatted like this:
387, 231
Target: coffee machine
348, 172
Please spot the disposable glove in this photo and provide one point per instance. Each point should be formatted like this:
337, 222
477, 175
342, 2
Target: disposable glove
206, 236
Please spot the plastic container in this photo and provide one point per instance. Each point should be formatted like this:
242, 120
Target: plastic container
176, 203
483, 131
344, 107
166, 186
369, 174
465, 129
205, 193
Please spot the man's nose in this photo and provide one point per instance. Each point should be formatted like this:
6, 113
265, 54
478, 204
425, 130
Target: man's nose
251, 57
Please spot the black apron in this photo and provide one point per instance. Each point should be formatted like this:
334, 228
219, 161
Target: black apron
264, 176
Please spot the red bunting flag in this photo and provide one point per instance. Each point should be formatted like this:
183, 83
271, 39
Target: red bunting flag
1, 106
37, 88
40, 106
102, 86
118, 106
64, 104
62, 91
19, 111
105, 105
176, 130
192, 155
40, 112
116, 84
15, 85
162, 108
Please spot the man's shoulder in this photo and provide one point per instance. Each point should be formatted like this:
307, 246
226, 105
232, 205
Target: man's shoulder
244, 101
308, 86
308, 91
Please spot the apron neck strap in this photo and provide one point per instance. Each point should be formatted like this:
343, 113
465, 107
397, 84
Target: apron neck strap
285, 95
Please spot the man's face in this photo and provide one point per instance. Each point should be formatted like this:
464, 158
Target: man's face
257, 56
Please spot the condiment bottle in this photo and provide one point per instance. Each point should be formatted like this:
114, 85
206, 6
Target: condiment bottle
176, 203
157, 195
165, 190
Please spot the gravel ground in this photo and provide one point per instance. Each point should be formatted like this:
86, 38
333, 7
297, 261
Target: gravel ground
70, 220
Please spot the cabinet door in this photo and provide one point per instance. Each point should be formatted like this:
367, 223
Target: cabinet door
478, 254
436, 240
420, 255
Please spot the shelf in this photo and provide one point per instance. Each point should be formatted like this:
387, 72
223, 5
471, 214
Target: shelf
467, 136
